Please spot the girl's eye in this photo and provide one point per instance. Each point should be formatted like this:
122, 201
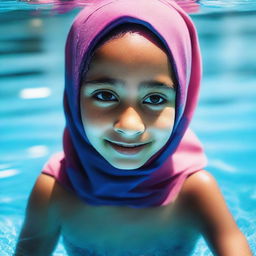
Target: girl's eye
105, 96
155, 100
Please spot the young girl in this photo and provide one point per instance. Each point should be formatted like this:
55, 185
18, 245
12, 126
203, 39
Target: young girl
130, 180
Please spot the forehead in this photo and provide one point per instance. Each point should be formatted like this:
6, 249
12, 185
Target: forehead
131, 48
131, 59
131, 28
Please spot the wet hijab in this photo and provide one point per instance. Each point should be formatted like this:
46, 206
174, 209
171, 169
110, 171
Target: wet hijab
80, 168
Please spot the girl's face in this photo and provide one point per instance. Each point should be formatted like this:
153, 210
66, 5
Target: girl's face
128, 100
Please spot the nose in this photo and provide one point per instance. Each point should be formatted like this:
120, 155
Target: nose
129, 123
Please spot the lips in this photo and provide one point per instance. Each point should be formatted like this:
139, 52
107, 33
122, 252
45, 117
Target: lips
127, 149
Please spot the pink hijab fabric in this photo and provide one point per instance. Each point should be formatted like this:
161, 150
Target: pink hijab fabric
80, 168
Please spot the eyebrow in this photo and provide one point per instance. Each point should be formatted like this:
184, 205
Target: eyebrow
118, 82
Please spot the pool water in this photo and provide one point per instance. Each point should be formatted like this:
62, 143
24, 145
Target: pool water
31, 118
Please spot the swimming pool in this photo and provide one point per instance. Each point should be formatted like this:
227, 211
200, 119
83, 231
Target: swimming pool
31, 118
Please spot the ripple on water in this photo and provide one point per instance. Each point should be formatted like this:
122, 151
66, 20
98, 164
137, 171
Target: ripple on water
9, 227
207, 6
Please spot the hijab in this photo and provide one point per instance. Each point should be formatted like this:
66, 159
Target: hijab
80, 168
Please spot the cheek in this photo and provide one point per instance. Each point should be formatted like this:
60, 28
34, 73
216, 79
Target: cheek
94, 133
93, 115
163, 126
96, 122
90, 120
165, 120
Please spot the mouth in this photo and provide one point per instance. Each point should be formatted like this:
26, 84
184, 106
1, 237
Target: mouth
126, 148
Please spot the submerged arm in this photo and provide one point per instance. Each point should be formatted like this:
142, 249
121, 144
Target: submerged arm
41, 227
216, 222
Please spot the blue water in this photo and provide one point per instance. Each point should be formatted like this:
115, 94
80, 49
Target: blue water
31, 118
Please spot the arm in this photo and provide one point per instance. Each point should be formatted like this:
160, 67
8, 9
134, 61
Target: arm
215, 221
41, 227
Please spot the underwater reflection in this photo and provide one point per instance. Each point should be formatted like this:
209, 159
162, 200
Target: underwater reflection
62, 6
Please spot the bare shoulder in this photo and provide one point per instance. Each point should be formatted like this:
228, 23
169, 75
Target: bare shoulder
51, 194
44, 197
197, 192
202, 189
199, 182
48, 193
44, 186
45, 190
204, 198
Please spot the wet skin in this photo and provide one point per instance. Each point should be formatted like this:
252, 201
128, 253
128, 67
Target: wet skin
120, 229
